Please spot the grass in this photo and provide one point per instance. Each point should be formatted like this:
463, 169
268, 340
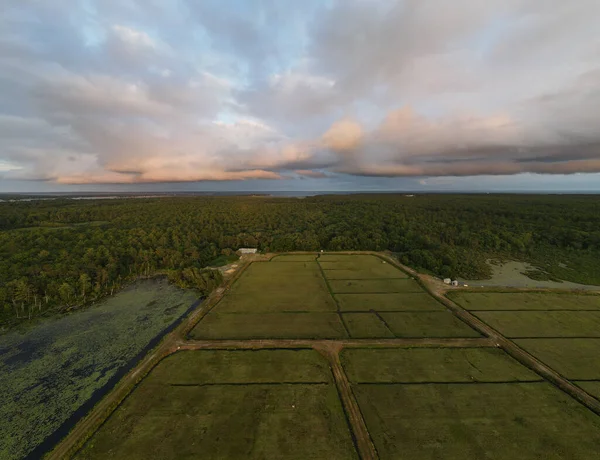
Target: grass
374, 286
224, 260
268, 287
254, 420
294, 258
520, 324
524, 301
349, 258
386, 271
360, 267
242, 366
427, 324
592, 388
477, 421
573, 358
366, 325
388, 302
426, 365
52, 370
269, 325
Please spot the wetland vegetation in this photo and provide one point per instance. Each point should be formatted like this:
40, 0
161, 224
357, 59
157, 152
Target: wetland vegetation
53, 372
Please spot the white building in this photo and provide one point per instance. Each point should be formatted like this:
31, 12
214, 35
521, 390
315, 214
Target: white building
454, 283
447, 280
247, 250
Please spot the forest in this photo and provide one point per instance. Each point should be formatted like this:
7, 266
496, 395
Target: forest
60, 254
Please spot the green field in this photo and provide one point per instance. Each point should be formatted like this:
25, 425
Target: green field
427, 365
524, 301
269, 287
576, 359
366, 325
269, 408
592, 388
410, 301
294, 258
477, 421
269, 325
353, 259
374, 286
520, 324
360, 267
427, 324
242, 366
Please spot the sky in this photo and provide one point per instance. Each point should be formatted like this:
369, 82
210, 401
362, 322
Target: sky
242, 95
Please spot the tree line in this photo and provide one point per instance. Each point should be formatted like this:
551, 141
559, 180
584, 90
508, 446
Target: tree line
63, 253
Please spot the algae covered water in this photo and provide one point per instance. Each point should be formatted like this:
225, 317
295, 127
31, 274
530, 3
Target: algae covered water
52, 374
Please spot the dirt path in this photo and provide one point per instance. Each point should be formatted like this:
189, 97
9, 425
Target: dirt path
362, 438
257, 344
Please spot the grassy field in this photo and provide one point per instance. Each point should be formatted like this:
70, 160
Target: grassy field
295, 258
269, 325
273, 287
418, 403
410, 301
353, 259
366, 325
577, 359
520, 324
242, 366
374, 286
427, 324
52, 370
592, 388
229, 413
475, 421
524, 301
360, 267
427, 365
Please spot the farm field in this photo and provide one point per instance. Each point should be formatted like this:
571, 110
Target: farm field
302, 325
273, 287
410, 301
427, 324
230, 404
524, 301
592, 388
296, 361
561, 330
456, 421
374, 286
366, 325
537, 323
295, 297
576, 359
465, 403
414, 365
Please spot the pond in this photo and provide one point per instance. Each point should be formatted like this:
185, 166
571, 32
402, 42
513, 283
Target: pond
53, 373
512, 274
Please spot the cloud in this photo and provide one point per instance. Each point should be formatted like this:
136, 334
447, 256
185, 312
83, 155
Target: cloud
133, 92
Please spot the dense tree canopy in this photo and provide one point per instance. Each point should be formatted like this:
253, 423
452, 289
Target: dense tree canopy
63, 253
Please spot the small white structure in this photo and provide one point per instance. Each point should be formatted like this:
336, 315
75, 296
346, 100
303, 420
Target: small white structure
248, 250
447, 280
454, 283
